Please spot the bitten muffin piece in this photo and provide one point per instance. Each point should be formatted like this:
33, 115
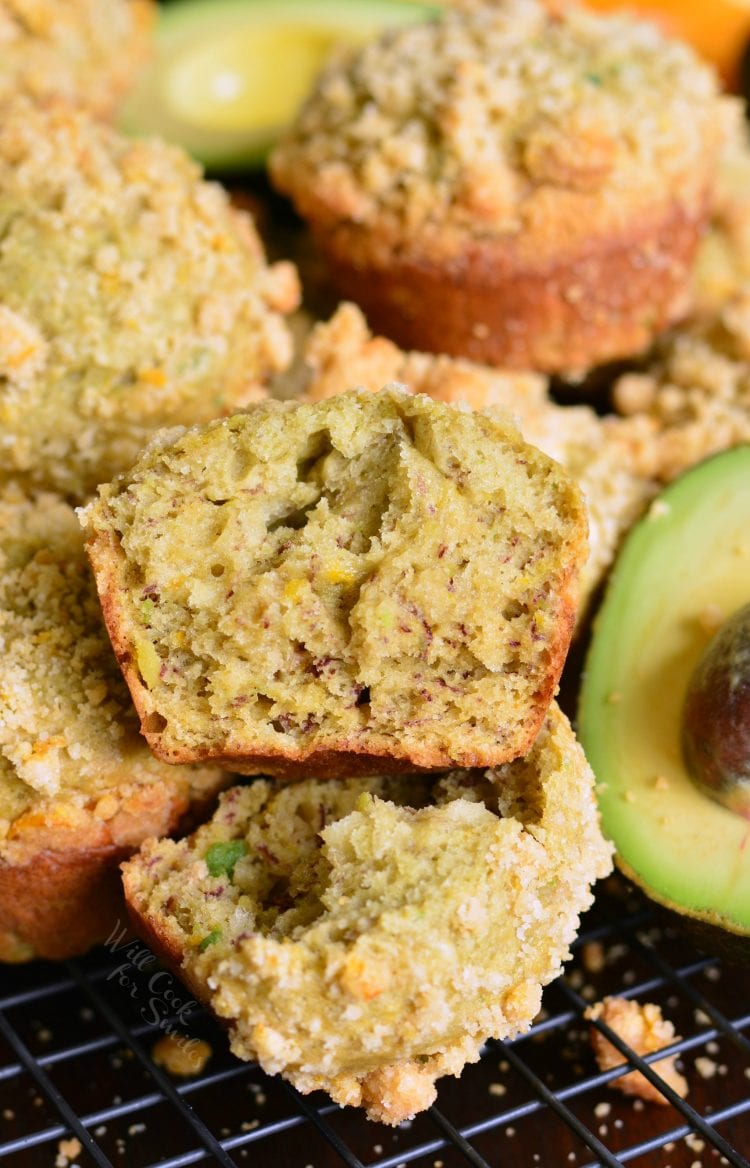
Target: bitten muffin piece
79, 788
366, 936
307, 589
132, 296
85, 51
512, 184
610, 457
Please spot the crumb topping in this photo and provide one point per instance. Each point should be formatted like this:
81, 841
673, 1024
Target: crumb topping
85, 51
695, 392
71, 759
475, 121
644, 1029
133, 297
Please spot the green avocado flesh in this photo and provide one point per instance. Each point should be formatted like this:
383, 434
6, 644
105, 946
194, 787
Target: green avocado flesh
685, 566
227, 76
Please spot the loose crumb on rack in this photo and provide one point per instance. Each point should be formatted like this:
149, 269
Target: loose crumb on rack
593, 957
644, 1029
705, 1067
181, 1056
67, 1150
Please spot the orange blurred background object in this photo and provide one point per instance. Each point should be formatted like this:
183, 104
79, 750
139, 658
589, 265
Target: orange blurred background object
718, 29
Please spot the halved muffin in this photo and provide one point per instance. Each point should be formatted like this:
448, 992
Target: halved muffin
611, 458
317, 588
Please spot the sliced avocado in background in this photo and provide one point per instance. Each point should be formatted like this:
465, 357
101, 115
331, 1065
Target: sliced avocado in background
687, 560
227, 76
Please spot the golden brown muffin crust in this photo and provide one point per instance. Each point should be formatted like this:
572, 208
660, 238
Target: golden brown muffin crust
510, 184
557, 312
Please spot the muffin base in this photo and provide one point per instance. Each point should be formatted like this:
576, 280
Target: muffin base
602, 302
57, 900
60, 904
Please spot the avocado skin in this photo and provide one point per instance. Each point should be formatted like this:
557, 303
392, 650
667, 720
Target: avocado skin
621, 704
713, 939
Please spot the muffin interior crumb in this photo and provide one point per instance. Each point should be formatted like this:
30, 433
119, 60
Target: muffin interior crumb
369, 562
278, 861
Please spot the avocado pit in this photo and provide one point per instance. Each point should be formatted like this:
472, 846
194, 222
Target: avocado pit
716, 716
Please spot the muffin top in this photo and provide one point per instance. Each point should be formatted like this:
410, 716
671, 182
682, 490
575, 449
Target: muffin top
132, 296
496, 119
85, 51
69, 740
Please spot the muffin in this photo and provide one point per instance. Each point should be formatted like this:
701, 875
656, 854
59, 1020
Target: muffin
84, 51
722, 265
510, 184
611, 458
694, 392
314, 589
132, 296
366, 936
79, 788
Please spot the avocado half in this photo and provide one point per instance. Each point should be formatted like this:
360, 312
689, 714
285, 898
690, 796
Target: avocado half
227, 76
685, 566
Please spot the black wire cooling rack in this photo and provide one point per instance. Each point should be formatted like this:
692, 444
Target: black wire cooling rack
78, 1085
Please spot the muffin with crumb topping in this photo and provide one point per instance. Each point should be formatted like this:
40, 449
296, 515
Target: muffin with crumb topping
512, 185
722, 265
132, 296
79, 788
366, 936
85, 51
694, 392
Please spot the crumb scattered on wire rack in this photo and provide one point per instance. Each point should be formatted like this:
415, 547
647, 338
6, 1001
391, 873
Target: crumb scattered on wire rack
181, 1056
644, 1029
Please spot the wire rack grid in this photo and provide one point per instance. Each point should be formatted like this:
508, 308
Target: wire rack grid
78, 1084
